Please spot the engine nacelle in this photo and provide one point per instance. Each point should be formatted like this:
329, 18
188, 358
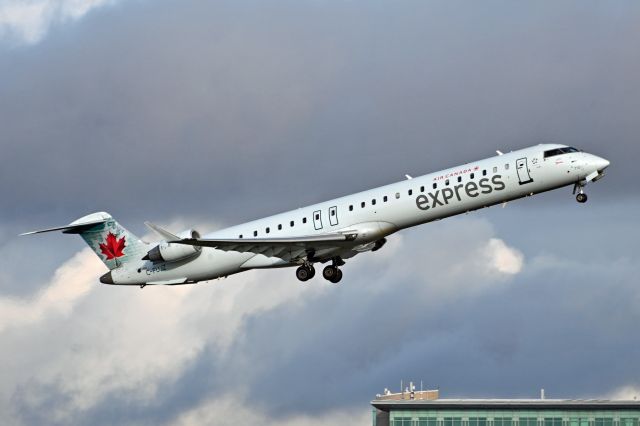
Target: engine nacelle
168, 252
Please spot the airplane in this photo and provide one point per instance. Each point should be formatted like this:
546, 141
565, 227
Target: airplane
336, 230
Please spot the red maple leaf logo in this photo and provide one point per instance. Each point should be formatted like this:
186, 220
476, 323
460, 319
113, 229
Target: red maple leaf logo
113, 247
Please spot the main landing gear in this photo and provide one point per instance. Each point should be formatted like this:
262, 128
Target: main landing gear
581, 197
330, 273
305, 272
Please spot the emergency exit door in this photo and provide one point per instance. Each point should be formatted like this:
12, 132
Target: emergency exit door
317, 219
333, 215
523, 171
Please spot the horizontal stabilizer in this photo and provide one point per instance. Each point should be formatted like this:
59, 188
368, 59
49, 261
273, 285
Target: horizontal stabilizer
77, 226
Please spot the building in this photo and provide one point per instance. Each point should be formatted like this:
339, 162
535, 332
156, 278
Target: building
425, 408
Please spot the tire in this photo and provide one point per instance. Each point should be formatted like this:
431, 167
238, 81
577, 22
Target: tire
338, 277
581, 198
329, 272
303, 274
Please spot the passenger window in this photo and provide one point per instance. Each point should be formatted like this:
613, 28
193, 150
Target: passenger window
459, 179
373, 202
495, 169
397, 195
291, 223
471, 176
506, 166
484, 173
304, 220
317, 217
279, 227
385, 198
333, 212
362, 204
255, 233
240, 236
435, 185
267, 230
410, 191
351, 208
446, 182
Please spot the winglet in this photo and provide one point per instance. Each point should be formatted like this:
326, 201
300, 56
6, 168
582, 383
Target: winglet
166, 235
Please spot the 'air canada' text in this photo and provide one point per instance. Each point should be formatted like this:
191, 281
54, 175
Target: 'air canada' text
471, 189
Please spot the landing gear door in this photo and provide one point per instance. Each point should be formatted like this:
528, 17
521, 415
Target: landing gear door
333, 215
317, 219
523, 171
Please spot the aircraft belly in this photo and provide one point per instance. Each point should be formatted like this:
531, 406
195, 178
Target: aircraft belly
210, 264
262, 261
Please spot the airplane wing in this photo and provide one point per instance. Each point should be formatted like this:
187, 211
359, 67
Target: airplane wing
279, 247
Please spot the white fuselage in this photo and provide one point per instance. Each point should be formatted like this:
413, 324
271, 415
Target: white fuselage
378, 212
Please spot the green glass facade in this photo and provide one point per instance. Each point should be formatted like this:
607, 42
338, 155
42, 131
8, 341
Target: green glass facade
513, 417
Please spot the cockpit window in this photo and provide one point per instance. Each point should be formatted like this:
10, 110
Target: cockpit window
558, 151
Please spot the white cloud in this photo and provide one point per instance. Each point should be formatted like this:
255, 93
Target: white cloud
122, 339
233, 410
71, 282
502, 258
27, 21
625, 393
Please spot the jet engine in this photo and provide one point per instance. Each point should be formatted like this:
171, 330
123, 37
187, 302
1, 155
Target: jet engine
167, 252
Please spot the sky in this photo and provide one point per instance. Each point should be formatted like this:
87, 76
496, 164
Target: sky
208, 114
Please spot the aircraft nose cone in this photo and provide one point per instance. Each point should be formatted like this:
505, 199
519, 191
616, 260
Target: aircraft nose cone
601, 163
106, 278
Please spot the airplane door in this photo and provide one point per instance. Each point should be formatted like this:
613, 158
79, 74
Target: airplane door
317, 219
523, 171
333, 215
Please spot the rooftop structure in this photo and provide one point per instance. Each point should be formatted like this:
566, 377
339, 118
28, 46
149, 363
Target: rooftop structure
425, 408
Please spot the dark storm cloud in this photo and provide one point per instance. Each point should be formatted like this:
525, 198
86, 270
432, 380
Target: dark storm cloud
242, 108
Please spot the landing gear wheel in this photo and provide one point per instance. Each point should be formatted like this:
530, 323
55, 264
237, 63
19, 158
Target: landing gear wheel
304, 273
581, 198
330, 272
337, 278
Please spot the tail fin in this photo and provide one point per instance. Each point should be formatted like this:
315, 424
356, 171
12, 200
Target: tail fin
111, 242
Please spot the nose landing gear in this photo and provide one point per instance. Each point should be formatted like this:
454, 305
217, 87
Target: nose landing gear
581, 197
